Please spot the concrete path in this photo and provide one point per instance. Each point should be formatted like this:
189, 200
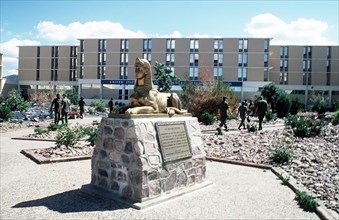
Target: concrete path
51, 191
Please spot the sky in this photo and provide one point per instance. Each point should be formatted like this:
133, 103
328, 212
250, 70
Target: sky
39, 22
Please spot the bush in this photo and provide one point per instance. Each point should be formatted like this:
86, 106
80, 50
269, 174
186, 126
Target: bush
281, 155
304, 127
69, 136
15, 102
336, 105
305, 201
284, 179
207, 118
5, 112
41, 131
278, 99
296, 106
72, 95
335, 119
319, 102
99, 105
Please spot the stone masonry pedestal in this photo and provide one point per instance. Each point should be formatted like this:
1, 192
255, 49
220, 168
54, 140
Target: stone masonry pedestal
127, 162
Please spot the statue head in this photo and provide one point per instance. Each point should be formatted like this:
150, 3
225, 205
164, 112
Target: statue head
143, 71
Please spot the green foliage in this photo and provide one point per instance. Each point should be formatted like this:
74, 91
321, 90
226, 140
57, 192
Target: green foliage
278, 99
54, 127
281, 155
165, 77
252, 127
319, 102
93, 134
69, 136
41, 131
206, 97
99, 105
296, 106
305, 201
336, 105
5, 112
207, 118
15, 102
72, 95
304, 127
284, 179
335, 119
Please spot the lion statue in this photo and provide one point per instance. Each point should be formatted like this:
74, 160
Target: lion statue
148, 100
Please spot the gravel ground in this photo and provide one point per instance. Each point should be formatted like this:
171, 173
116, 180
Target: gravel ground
315, 160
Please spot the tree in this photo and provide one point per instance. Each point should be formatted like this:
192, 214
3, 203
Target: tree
278, 99
319, 102
165, 77
15, 101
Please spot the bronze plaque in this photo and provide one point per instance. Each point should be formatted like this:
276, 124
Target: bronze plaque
173, 140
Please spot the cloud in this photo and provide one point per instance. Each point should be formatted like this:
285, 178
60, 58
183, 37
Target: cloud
300, 32
95, 29
10, 51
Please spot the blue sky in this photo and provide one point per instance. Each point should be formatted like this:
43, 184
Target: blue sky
63, 22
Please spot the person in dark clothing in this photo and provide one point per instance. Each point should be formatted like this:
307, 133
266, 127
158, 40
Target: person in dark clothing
81, 106
110, 105
223, 109
65, 108
261, 110
57, 104
242, 111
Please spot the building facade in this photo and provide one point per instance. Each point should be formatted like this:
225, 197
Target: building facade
104, 68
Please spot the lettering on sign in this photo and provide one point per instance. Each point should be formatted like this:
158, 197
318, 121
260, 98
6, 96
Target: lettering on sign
173, 140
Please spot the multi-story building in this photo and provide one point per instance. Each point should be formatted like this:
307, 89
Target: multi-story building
1, 82
104, 68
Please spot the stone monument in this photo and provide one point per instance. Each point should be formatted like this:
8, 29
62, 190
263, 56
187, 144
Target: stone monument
152, 153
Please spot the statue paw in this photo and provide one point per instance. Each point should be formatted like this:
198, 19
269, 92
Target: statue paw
130, 111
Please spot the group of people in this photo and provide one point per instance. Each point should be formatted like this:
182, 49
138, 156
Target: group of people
61, 108
244, 110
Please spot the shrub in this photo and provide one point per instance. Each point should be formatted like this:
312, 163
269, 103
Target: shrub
296, 106
278, 99
15, 102
281, 155
304, 127
92, 139
41, 97
5, 112
69, 136
252, 127
319, 102
335, 119
305, 201
336, 105
41, 131
72, 95
207, 118
164, 76
284, 179
99, 105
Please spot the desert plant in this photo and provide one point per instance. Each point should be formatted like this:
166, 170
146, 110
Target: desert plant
41, 131
319, 102
305, 201
207, 118
5, 112
284, 179
278, 99
15, 102
296, 106
281, 155
335, 119
69, 136
99, 105
92, 137
252, 127
164, 76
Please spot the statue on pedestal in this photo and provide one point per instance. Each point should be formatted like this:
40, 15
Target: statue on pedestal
148, 100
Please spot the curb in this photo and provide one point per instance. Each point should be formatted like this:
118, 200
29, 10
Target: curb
322, 212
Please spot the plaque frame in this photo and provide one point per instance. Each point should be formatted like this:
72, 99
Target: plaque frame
162, 147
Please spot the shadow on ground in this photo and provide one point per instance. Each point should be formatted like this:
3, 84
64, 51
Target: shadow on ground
73, 201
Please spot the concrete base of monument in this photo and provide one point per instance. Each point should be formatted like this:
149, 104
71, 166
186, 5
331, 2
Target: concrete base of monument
102, 193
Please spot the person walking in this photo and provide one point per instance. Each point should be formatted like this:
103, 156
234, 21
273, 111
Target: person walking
57, 104
82, 107
261, 110
223, 109
65, 108
242, 111
110, 105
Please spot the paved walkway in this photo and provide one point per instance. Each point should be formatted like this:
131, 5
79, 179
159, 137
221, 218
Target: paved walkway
51, 191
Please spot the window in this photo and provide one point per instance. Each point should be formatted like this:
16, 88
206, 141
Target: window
266, 60
328, 52
309, 65
218, 59
245, 59
286, 51
240, 60
265, 74
124, 58
102, 45
170, 44
123, 72
281, 51
194, 59
193, 73
170, 58
266, 45
82, 46
218, 45
304, 65
217, 73
281, 63
243, 45
239, 74
285, 64
124, 45
244, 74
147, 44
194, 44
126, 94
148, 56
